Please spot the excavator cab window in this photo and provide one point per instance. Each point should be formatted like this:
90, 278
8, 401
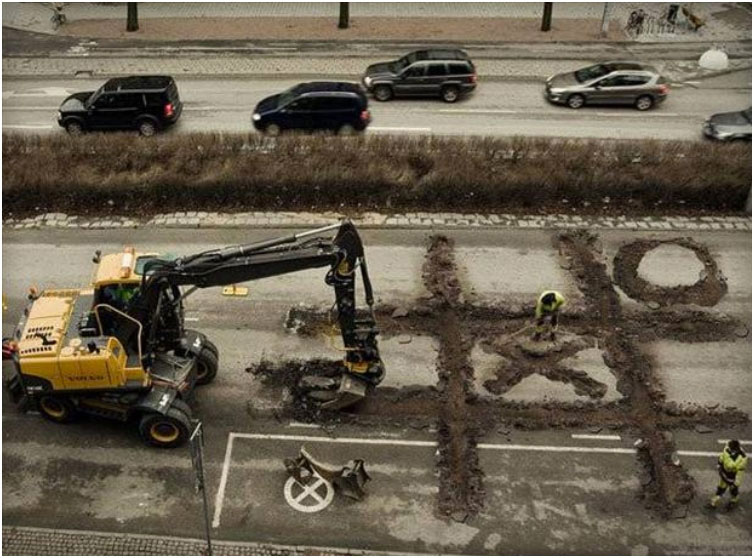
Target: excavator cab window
118, 295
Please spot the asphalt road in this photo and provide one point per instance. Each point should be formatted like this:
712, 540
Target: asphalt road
496, 109
543, 496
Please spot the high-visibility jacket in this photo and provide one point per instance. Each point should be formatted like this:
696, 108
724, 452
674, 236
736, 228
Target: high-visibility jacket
543, 308
732, 465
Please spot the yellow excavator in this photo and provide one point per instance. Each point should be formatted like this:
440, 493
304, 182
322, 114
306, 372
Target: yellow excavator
119, 349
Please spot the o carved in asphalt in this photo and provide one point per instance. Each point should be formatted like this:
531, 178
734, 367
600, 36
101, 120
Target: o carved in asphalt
707, 291
312, 497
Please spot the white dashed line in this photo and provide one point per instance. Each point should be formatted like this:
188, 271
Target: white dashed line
595, 436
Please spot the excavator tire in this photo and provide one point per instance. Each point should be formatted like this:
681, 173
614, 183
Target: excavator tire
56, 408
165, 431
206, 366
212, 347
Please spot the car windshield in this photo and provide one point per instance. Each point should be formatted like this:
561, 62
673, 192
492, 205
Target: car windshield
404, 62
747, 114
592, 72
93, 96
287, 96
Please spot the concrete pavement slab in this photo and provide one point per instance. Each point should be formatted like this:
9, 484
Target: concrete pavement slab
704, 373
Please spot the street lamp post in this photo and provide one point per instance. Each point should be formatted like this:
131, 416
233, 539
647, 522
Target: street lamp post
196, 445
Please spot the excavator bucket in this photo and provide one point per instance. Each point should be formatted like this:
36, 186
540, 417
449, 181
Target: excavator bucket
349, 479
333, 394
350, 391
352, 480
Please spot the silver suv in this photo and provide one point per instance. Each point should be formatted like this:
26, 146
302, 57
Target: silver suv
444, 73
608, 83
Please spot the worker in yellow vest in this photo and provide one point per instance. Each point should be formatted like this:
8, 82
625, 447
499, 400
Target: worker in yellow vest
548, 306
730, 467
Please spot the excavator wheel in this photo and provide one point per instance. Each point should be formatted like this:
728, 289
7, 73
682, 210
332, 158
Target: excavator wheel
206, 366
165, 431
56, 409
212, 347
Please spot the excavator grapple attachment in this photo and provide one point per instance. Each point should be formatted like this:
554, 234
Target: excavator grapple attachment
348, 479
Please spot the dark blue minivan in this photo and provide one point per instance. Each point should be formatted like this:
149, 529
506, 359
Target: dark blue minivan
319, 105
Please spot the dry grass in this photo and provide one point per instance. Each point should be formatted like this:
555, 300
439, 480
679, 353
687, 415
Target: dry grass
249, 172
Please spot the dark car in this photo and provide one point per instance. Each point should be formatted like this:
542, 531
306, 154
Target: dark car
144, 103
729, 126
320, 105
444, 73
608, 83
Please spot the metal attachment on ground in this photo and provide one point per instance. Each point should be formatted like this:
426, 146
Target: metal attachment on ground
235, 290
348, 479
334, 393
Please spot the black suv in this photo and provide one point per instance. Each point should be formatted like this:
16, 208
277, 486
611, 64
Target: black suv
447, 73
143, 103
319, 105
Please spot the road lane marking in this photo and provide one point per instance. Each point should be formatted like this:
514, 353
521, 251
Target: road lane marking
28, 126
219, 499
396, 129
595, 436
223, 482
302, 425
191, 319
368, 441
742, 442
478, 111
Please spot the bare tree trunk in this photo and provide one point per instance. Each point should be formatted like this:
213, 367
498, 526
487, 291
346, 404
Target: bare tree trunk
132, 23
547, 16
344, 16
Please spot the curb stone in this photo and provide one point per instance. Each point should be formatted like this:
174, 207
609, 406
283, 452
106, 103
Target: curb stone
33, 541
422, 220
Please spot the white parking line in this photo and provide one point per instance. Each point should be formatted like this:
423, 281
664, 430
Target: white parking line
27, 126
219, 499
223, 482
595, 436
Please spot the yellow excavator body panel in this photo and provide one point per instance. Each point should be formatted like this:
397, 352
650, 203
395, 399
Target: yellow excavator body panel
50, 348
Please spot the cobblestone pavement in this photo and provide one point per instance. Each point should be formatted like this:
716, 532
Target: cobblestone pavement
343, 68
28, 541
213, 220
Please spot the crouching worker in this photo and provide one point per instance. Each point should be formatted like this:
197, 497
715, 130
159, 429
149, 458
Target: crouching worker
547, 309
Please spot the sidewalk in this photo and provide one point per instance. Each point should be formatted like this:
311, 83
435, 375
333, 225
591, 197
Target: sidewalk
450, 21
31, 541
420, 220
307, 67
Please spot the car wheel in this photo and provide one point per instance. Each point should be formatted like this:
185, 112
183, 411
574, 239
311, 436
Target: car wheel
74, 128
346, 130
272, 130
576, 101
450, 94
206, 366
147, 128
56, 409
644, 102
383, 93
165, 431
